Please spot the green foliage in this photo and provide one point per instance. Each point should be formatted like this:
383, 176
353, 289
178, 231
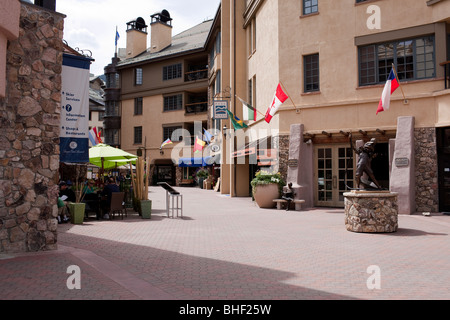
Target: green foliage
262, 178
202, 174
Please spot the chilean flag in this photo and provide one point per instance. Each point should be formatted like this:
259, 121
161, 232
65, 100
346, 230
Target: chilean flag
279, 98
390, 86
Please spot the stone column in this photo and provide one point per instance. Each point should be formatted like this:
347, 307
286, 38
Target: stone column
402, 178
300, 166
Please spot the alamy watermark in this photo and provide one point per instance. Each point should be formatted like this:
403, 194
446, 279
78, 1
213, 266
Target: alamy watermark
374, 20
374, 280
74, 280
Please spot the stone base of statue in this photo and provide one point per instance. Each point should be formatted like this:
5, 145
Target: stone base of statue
371, 211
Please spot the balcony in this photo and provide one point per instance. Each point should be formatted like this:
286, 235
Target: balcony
198, 107
196, 75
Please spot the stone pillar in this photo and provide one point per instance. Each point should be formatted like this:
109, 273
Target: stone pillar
29, 139
300, 166
402, 178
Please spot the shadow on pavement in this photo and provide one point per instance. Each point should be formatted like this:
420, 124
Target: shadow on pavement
189, 277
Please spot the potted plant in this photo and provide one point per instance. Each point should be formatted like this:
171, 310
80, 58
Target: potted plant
77, 208
140, 188
266, 187
201, 175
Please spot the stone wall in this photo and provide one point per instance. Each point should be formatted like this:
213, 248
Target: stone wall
283, 144
427, 195
29, 143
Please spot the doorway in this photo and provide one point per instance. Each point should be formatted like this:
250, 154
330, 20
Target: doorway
443, 148
333, 172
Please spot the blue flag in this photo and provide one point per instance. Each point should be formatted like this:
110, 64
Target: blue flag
117, 36
207, 136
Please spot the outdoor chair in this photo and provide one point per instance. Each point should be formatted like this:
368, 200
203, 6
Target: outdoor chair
117, 204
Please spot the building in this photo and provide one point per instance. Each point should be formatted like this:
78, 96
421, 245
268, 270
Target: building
333, 59
96, 104
163, 90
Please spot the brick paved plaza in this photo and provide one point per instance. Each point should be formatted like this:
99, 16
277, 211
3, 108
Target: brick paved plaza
228, 248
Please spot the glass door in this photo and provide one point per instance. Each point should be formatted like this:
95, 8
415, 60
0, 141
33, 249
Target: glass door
333, 174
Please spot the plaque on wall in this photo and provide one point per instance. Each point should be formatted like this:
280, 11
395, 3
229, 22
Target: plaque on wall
401, 162
292, 162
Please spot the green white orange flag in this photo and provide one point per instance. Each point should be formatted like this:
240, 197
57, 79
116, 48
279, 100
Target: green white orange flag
248, 112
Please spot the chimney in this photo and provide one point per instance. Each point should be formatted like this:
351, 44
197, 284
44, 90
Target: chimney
161, 31
136, 37
48, 4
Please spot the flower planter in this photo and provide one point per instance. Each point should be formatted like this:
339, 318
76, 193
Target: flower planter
264, 195
146, 209
77, 212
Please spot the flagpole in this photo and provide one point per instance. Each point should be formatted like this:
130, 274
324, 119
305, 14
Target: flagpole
115, 37
398, 80
289, 96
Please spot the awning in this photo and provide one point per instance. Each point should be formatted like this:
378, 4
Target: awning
195, 162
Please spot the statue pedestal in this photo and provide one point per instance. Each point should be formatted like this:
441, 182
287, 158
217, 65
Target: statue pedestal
371, 211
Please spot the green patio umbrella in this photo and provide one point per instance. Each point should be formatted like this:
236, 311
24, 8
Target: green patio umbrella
107, 157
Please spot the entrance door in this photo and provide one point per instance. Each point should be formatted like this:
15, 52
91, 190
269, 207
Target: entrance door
333, 173
443, 142
166, 174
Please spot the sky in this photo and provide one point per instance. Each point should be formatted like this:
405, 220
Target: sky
91, 24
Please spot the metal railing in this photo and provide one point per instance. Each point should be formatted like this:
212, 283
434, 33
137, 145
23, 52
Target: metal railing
199, 107
196, 75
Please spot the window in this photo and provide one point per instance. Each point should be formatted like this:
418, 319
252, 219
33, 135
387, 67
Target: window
413, 59
173, 102
138, 106
311, 73
112, 108
112, 136
112, 80
138, 76
252, 37
167, 134
172, 72
252, 92
310, 6
217, 86
137, 135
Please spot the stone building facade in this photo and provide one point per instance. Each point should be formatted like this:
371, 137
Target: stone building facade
29, 143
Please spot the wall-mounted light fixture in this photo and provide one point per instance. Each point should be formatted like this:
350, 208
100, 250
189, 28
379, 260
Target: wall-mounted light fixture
224, 130
161, 151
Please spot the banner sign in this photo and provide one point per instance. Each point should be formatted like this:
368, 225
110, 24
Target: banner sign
220, 109
74, 130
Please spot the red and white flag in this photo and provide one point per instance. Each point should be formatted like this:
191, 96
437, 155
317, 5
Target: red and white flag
390, 86
278, 99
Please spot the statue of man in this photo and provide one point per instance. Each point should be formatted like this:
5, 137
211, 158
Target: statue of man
366, 154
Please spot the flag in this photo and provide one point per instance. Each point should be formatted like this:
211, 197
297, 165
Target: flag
390, 86
99, 135
249, 113
278, 99
117, 36
168, 141
237, 123
92, 137
199, 144
207, 136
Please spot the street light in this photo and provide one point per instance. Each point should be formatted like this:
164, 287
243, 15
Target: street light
224, 130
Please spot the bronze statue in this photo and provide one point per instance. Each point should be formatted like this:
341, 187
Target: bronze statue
366, 154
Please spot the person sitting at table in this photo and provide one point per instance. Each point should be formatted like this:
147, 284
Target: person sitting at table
66, 195
91, 198
107, 191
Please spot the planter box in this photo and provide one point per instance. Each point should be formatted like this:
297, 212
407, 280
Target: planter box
146, 209
265, 194
77, 212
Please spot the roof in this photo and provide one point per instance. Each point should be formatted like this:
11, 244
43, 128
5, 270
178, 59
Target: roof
186, 41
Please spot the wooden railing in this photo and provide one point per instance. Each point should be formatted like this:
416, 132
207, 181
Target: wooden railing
198, 107
196, 75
